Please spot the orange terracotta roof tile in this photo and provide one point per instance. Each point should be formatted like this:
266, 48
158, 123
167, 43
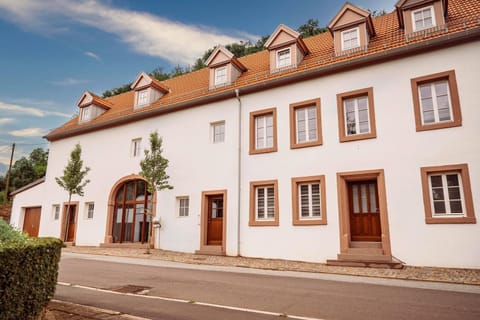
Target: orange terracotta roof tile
463, 15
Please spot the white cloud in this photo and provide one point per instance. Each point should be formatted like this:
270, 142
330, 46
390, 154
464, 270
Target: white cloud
144, 33
36, 112
68, 82
92, 55
28, 132
6, 120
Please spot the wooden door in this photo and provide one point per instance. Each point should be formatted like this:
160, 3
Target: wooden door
71, 219
364, 211
31, 223
215, 220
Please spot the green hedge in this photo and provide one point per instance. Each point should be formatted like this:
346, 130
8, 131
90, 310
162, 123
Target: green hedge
28, 276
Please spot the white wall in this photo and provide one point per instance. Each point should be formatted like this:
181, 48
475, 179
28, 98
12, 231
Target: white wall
198, 165
398, 149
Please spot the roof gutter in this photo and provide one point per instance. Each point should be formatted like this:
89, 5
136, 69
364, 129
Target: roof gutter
408, 50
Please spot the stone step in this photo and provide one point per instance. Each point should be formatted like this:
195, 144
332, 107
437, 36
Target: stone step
365, 244
363, 257
365, 251
393, 264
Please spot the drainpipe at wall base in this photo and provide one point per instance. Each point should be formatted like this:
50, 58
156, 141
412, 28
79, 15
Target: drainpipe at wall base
239, 169
156, 227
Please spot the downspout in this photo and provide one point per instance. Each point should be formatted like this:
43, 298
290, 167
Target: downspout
239, 168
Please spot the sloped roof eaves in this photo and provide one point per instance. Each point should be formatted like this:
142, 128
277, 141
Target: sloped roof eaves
28, 186
414, 48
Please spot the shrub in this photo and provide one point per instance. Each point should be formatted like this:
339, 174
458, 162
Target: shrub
28, 274
8, 233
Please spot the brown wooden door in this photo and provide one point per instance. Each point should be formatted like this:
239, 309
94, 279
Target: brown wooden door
31, 223
364, 211
215, 220
71, 218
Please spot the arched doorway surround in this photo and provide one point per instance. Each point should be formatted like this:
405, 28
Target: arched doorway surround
126, 220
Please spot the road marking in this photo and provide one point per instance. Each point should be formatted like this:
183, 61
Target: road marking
206, 304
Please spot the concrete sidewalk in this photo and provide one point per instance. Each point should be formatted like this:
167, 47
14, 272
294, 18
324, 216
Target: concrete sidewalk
61, 310
432, 274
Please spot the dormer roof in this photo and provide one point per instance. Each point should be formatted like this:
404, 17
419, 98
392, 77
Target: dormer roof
221, 56
143, 81
283, 36
350, 15
89, 98
407, 4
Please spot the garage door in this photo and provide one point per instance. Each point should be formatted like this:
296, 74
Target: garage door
31, 223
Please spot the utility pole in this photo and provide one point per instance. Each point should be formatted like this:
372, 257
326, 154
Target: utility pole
5, 196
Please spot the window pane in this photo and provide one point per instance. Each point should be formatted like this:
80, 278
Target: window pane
437, 194
315, 200
363, 188
364, 127
456, 206
444, 114
425, 91
436, 181
130, 191
439, 207
452, 180
454, 193
356, 207
373, 198
271, 202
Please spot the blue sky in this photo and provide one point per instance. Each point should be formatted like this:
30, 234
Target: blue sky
53, 50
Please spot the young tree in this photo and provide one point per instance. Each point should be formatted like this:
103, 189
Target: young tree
153, 169
73, 176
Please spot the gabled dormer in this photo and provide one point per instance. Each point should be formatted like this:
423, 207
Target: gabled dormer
351, 29
147, 90
286, 48
224, 68
91, 106
420, 16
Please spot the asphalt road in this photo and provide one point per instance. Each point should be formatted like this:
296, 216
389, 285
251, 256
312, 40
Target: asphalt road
188, 293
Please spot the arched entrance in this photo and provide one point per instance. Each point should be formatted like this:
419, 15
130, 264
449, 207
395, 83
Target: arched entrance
127, 220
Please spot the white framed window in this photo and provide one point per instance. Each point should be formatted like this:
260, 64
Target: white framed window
136, 147
89, 210
306, 127
218, 131
220, 75
264, 131
142, 97
446, 194
350, 39
183, 204
284, 58
423, 18
85, 114
356, 115
56, 211
309, 205
265, 203
435, 102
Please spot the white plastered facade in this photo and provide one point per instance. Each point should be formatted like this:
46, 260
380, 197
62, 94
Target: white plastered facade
197, 165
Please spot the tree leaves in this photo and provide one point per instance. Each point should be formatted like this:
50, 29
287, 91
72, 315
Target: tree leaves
73, 174
154, 165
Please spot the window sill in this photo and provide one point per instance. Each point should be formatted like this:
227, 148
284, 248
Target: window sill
362, 136
268, 223
453, 220
306, 144
265, 150
310, 222
439, 125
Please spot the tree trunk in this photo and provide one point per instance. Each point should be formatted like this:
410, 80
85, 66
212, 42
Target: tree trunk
67, 217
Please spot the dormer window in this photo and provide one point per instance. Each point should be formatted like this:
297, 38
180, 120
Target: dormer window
420, 18
284, 58
423, 18
224, 68
147, 90
85, 114
220, 75
142, 97
350, 39
351, 28
91, 106
286, 49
